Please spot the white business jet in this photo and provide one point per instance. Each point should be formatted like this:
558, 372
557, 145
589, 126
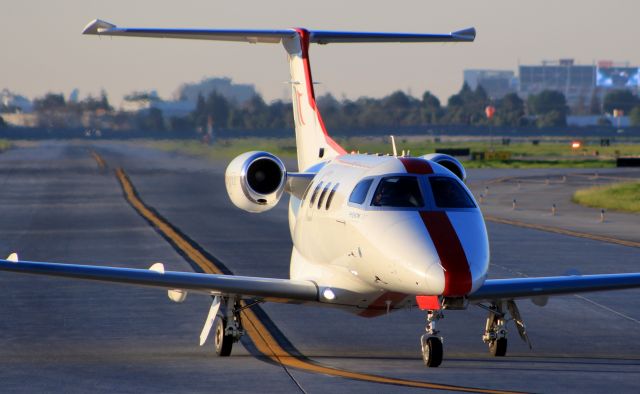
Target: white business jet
371, 233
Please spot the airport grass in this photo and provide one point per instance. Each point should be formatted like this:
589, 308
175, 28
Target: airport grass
4, 145
544, 154
618, 197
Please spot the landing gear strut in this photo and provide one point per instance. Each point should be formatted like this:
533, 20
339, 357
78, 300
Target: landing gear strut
495, 332
228, 327
432, 343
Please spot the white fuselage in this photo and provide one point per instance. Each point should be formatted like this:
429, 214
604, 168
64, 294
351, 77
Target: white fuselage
377, 257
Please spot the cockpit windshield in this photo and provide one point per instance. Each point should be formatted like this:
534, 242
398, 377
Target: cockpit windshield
398, 191
448, 193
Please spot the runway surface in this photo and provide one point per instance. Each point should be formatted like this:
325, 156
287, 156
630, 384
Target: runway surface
58, 203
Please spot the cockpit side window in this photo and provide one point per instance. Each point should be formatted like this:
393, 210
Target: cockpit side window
359, 193
448, 193
399, 192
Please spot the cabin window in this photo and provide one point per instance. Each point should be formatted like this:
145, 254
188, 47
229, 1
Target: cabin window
315, 194
399, 192
330, 198
359, 193
323, 194
448, 193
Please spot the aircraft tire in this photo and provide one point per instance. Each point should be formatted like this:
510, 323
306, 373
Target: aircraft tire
498, 348
432, 352
223, 343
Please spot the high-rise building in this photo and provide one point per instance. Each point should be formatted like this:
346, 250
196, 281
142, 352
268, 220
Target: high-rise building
576, 82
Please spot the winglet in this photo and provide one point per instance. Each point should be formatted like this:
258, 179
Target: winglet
97, 26
465, 34
13, 257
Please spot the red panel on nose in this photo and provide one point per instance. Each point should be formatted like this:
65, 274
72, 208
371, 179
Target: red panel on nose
428, 303
414, 165
457, 276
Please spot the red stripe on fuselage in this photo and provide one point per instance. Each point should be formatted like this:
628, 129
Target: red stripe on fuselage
413, 165
379, 306
304, 44
457, 276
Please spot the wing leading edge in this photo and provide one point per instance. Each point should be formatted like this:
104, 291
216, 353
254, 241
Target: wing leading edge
500, 289
268, 289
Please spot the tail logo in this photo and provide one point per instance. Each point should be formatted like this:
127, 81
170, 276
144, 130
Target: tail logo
300, 118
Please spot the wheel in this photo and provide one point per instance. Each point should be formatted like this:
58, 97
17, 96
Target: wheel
498, 348
222, 342
432, 352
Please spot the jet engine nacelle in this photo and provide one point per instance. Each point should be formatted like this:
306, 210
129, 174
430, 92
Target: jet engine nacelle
449, 162
255, 181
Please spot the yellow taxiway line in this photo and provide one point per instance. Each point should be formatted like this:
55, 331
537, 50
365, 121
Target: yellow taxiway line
264, 341
101, 163
562, 231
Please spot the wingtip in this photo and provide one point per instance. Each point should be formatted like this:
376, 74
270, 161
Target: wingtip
468, 34
97, 26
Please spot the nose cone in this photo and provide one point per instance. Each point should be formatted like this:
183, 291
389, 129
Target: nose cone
430, 252
408, 256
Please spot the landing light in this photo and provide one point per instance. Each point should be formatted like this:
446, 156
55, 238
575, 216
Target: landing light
576, 144
328, 294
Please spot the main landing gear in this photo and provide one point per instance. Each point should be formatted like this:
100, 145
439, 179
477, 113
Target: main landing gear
495, 332
224, 316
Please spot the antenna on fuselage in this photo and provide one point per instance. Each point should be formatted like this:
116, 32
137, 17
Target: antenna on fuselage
393, 144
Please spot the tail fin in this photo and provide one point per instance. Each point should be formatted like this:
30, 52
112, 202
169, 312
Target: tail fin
313, 142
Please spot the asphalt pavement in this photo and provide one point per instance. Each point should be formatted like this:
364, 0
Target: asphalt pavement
59, 203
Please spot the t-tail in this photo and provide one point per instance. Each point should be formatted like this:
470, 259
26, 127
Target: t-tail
314, 144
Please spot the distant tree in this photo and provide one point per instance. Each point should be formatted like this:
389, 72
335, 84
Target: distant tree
509, 111
550, 107
104, 101
467, 106
634, 116
50, 102
151, 120
619, 99
431, 110
218, 108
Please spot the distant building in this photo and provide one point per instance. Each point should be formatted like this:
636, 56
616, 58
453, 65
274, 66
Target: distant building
497, 83
224, 86
578, 83
14, 103
142, 101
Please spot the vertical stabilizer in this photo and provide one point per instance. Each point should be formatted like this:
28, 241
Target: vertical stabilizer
313, 143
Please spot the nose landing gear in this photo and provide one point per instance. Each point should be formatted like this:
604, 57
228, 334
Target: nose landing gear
431, 343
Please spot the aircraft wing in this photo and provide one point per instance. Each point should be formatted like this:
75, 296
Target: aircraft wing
100, 27
501, 289
268, 289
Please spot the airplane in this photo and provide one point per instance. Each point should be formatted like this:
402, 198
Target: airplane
371, 234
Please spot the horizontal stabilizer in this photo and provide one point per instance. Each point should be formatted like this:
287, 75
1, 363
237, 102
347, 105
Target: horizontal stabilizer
100, 27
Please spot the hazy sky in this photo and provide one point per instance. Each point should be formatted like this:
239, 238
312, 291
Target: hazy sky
43, 50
